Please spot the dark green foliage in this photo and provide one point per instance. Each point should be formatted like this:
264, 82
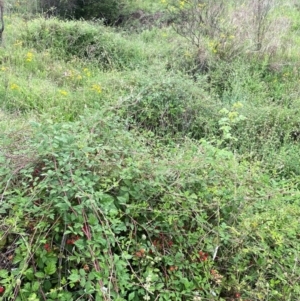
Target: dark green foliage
172, 104
96, 201
108, 10
82, 9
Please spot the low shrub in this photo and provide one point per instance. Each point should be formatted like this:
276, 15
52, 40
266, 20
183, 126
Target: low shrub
99, 214
106, 9
83, 40
171, 104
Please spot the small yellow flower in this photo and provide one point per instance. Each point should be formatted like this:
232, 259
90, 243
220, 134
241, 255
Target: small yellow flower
87, 72
14, 87
29, 56
3, 68
79, 77
97, 88
63, 92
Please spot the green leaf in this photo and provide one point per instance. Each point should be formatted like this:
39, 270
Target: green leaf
35, 286
82, 282
29, 274
47, 285
82, 272
33, 297
89, 287
50, 268
3, 274
53, 293
39, 275
74, 277
159, 286
91, 276
131, 296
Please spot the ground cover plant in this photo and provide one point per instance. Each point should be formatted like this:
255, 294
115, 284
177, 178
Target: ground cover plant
154, 159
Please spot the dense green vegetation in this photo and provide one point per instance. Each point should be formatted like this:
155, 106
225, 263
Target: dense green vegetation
156, 158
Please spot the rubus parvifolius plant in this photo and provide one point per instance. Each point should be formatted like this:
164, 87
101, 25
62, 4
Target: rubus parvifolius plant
101, 214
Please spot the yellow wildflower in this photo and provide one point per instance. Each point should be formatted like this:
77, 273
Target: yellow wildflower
3, 68
97, 88
87, 72
29, 56
14, 87
63, 92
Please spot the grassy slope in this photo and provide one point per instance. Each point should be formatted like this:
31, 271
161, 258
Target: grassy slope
74, 158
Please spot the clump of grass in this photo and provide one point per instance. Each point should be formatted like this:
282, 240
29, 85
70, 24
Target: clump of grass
84, 40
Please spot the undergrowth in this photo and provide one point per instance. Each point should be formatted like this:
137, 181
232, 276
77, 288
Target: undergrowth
100, 216
147, 163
